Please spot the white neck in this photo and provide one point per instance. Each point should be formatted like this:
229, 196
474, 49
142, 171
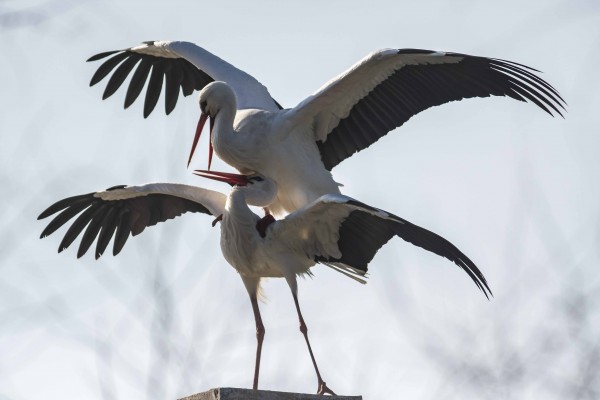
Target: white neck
256, 193
223, 127
237, 206
238, 219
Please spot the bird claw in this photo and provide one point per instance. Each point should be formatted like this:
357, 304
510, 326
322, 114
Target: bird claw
263, 223
323, 389
219, 218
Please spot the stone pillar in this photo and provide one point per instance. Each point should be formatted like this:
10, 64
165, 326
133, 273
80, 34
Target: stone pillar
249, 394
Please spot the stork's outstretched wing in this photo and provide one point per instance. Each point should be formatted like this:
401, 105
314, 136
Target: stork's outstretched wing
388, 87
180, 65
346, 233
124, 210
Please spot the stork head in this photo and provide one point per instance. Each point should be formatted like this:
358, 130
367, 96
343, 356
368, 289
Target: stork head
259, 190
213, 98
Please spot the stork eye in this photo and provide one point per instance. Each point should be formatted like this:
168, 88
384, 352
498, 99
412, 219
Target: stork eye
203, 106
257, 179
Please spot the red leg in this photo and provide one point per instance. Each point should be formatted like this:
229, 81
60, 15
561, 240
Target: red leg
219, 218
260, 334
323, 389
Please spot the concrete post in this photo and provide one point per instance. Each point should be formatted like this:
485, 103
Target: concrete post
249, 394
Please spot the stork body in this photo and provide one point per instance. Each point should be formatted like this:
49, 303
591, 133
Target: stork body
298, 147
246, 141
334, 230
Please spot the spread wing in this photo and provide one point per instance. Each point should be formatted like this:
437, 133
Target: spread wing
181, 66
346, 234
385, 89
121, 211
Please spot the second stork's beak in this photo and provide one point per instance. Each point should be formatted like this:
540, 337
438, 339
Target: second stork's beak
199, 128
232, 179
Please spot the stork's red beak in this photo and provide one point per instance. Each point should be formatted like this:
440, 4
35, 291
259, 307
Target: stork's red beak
199, 128
210, 146
228, 177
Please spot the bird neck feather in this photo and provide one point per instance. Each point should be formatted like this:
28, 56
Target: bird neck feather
237, 207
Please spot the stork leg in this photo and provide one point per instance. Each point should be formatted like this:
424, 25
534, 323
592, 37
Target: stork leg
219, 218
260, 334
323, 389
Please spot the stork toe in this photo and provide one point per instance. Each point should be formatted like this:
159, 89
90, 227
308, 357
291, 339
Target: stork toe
323, 389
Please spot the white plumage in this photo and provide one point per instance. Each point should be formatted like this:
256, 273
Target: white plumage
335, 230
298, 147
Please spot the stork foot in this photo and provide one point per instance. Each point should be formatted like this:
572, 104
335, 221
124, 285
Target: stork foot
263, 223
323, 389
219, 218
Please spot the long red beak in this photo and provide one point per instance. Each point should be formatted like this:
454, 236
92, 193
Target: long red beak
210, 146
228, 177
199, 128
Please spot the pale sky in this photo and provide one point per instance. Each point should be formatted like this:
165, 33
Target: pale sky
514, 189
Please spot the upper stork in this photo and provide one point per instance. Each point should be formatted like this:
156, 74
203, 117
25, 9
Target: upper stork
298, 147
334, 230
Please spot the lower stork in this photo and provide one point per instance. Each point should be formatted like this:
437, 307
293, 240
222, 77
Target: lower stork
334, 230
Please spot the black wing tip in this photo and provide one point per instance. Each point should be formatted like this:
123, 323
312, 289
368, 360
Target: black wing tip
538, 91
477, 277
64, 204
470, 268
542, 91
444, 248
188, 76
485, 288
501, 60
548, 100
102, 55
116, 187
415, 51
116, 252
53, 209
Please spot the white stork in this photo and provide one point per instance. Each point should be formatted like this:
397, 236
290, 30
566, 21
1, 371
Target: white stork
298, 147
334, 230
